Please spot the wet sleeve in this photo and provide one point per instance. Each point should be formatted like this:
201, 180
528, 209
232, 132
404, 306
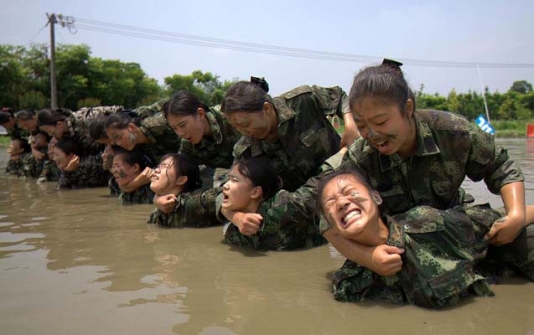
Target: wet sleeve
490, 162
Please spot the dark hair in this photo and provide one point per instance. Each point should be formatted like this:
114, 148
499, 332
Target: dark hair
182, 103
120, 121
23, 143
261, 173
68, 146
329, 177
244, 96
50, 117
47, 137
4, 117
185, 166
25, 114
97, 127
385, 81
133, 157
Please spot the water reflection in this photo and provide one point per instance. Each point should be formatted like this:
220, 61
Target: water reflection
75, 259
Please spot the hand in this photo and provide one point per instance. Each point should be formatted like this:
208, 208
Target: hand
37, 154
248, 223
505, 229
107, 157
165, 203
386, 260
349, 136
145, 176
73, 164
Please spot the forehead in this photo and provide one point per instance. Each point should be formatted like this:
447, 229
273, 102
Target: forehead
178, 118
373, 105
339, 182
242, 117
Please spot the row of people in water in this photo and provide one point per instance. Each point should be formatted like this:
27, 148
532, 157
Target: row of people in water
290, 161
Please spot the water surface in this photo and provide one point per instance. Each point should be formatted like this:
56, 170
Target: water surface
76, 262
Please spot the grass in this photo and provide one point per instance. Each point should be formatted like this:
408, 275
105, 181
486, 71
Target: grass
4, 141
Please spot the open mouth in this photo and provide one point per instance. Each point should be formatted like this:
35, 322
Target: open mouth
225, 197
353, 214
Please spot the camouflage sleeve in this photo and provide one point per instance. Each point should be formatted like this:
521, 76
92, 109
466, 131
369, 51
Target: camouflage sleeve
333, 100
489, 162
88, 174
193, 209
31, 166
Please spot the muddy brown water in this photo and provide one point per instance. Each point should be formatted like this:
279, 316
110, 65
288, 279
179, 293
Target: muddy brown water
76, 262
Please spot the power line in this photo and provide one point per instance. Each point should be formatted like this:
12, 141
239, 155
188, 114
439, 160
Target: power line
151, 34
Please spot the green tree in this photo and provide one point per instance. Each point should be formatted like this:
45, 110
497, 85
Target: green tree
521, 86
206, 86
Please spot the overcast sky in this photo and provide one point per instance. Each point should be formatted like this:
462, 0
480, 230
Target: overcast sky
446, 31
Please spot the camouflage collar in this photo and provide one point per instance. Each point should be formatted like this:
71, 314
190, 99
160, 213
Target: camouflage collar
426, 145
211, 116
283, 112
148, 134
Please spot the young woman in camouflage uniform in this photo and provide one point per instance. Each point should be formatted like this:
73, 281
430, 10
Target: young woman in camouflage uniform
127, 165
17, 150
77, 171
177, 178
442, 248
421, 157
250, 183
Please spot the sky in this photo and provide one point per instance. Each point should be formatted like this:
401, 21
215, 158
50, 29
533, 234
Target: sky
443, 32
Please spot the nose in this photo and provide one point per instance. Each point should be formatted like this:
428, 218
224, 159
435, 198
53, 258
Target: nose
342, 203
372, 134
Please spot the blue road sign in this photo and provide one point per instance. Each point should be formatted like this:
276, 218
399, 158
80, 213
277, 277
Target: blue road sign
484, 124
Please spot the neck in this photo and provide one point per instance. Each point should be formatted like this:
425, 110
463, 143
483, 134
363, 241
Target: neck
140, 136
174, 190
373, 235
207, 128
273, 132
410, 145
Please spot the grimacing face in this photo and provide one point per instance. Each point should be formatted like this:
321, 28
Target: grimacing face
383, 125
257, 124
349, 206
122, 171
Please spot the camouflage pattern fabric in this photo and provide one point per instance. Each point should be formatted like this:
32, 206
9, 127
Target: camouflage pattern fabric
33, 167
17, 132
215, 152
146, 111
88, 174
50, 171
306, 137
162, 138
15, 166
114, 189
443, 249
194, 209
143, 195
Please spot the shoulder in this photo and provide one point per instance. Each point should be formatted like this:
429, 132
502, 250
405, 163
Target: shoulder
442, 120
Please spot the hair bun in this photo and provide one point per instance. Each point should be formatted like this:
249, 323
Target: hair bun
392, 63
261, 82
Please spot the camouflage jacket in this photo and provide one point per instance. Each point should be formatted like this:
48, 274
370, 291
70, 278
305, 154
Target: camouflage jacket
88, 174
50, 171
162, 138
15, 166
449, 148
441, 247
143, 195
33, 167
17, 132
215, 151
194, 209
306, 137
146, 111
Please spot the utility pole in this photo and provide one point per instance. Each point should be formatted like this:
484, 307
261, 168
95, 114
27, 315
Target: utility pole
64, 21
53, 86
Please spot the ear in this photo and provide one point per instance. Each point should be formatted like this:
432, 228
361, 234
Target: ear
136, 168
256, 193
377, 198
409, 106
131, 127
181, 180
267, 108
201, 113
